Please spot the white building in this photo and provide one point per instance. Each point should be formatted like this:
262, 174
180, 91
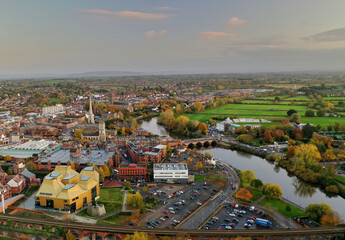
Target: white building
58, 108
170, 172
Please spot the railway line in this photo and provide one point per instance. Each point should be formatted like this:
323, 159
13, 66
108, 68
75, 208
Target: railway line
174, 232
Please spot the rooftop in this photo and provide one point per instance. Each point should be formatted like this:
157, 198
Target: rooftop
94, 156
170, 166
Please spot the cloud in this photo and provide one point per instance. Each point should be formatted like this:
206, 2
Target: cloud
334, 35
153, 34
235, 22
166, 8
214, 35
126, 14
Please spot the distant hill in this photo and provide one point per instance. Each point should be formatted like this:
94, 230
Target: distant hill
106, 74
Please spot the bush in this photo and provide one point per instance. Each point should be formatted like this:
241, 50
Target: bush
332, 189
273, 157
245, 138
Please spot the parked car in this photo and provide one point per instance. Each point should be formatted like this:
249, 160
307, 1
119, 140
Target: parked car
172, 212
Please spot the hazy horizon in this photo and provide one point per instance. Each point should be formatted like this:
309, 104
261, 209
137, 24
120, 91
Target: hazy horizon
198, 36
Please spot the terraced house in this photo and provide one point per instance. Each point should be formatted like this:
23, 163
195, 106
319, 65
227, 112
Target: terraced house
65, 189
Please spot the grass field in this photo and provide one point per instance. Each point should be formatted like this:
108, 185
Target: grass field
112, 199
280, 207
323, 121
253, 107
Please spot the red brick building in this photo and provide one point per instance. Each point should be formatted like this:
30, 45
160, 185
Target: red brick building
17, 184
6, 190
142, 154
132, 172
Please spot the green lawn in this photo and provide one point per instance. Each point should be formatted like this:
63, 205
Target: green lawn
280, 207
323, 121
112, 199
199, 178
340, 179
115, 219
31, 191
254, 107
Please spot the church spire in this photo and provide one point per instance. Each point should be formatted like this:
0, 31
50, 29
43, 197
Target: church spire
91, 117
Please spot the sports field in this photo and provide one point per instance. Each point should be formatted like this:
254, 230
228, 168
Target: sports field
255, 109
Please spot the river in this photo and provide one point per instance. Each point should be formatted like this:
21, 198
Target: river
293, 188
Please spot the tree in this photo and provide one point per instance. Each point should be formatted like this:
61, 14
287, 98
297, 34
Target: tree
309, 113
256, 183
107, 170
245, 138
268, 136
331, 219
31, 166
208, 155
316, 210
203, 128
8, 158
190, 161
291, 111
199, 165
78, 132
137, 236
69, 236
198, 106
307, 154
320, 113
295, 117
332, 189
123, 131
291, 151
274, 157
329, 155
308, 130
247, 177
127, 184
272, 190
288, 208
244, 194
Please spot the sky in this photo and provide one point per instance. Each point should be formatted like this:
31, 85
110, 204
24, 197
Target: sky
74, 36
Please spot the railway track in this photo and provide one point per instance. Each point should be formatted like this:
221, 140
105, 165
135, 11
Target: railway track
174, 232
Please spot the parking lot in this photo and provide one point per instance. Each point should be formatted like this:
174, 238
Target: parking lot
176, 203
237, 217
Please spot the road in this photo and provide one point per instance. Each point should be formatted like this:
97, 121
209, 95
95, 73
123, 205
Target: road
213, 205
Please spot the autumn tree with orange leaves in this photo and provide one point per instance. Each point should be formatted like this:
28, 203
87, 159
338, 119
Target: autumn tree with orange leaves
331, 219
244, 194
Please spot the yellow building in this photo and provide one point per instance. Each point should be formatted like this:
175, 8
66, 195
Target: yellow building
65, 189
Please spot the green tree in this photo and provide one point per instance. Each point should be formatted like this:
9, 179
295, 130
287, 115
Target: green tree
320, 113
290, 112
309, 113
272, 190
288, 208
316, 210
127, 184
247, 177
245, 138
256, 183
295, 117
